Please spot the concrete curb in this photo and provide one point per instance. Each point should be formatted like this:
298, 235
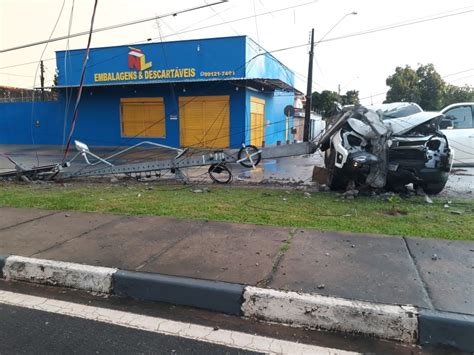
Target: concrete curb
402, 323
212, 295
448, 329
59, 273
331, 313
3, 259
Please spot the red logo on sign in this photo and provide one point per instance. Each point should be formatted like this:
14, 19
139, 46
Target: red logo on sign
136, 60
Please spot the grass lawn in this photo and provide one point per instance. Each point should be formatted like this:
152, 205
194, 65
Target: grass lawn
325, 211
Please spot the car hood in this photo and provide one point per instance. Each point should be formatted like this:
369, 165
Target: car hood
402, 125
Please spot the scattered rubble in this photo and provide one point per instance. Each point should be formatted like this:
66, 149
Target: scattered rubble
25, 178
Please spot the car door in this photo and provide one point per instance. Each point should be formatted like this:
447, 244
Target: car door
461, 133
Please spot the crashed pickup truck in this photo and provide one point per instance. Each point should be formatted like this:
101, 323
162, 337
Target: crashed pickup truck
386, 147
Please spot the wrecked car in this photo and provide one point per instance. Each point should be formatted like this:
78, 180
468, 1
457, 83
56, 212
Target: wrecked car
386, 147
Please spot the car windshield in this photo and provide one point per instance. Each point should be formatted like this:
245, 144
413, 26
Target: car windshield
402, 111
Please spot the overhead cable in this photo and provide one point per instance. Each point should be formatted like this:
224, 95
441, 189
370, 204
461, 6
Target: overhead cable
107, 28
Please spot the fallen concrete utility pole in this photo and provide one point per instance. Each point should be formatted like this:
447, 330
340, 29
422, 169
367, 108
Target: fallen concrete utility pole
248, 156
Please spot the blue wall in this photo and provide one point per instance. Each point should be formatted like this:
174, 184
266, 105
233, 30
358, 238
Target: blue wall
212, 60
17, 123
260, 64
98, 121
275, 119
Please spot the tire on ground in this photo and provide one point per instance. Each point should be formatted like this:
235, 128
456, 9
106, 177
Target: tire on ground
336, 178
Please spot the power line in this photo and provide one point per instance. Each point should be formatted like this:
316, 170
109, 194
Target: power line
459, 72
390, 27
81, 82
185, 31
464, 77
369, 31
244, 18
25, 76
107, 28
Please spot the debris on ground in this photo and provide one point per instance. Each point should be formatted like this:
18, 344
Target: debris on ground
350, 194
324, 188
25, 178
420, 192
428, 199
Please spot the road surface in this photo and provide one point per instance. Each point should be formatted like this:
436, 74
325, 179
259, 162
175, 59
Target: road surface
38, 319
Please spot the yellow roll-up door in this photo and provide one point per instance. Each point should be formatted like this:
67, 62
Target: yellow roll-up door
204, 121
143, 117
257, 121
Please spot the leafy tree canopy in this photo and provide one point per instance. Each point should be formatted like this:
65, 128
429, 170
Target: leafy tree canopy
425, 87
324, 102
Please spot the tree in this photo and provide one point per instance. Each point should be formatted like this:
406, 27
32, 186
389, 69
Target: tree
430, 87
403, 85
425, 87
350, 98
324, 102
453, 94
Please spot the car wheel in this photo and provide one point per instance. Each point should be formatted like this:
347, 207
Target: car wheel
336, 180
434, 188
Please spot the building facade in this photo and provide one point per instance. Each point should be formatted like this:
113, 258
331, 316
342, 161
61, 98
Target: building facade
213, 93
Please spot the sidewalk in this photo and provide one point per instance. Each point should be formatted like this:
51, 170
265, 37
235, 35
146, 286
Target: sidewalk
432, 274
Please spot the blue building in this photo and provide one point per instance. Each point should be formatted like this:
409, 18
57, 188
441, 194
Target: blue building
216, 93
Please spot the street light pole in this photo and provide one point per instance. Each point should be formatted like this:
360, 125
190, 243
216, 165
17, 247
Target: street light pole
337, 23
307, 111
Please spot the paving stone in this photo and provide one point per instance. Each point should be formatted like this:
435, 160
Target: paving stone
363, 267
30, 238
10, 217
126, 243
449, 277
224, 252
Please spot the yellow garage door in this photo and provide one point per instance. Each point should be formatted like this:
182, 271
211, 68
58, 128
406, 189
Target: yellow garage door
204, 121
257, 121
143, 117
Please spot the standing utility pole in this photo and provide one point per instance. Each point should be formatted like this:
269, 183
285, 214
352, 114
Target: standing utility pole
42, 79
307, 114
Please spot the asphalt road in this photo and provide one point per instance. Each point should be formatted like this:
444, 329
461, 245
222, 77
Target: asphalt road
26, 331
55, 329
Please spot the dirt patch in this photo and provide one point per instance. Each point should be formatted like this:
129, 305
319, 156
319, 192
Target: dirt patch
395, 212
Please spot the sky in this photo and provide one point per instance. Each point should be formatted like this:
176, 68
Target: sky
354, 63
